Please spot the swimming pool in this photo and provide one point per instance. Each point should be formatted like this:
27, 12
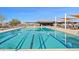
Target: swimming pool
37, 38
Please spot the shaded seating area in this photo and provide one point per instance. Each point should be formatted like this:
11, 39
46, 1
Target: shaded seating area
70, 23
46, 23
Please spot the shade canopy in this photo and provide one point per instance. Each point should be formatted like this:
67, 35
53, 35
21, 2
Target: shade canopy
75, 15
67, 19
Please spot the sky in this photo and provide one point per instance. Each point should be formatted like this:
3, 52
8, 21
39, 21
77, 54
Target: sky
32, 14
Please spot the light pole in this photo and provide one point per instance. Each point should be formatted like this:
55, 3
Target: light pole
65, 21
65, 25
55, 26
55, 22
41, 26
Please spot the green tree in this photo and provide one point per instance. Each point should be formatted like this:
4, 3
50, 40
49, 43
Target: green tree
2, 18
15, 22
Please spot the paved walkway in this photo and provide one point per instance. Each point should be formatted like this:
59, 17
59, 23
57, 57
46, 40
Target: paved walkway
9, 29
69, 31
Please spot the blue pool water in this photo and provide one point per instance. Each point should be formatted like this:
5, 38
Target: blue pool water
37, 38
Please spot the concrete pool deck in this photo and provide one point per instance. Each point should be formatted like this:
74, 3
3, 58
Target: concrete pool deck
1, 31
69, 31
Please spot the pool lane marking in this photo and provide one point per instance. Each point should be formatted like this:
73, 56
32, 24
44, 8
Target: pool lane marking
46, 38
42, 38
17, 47
15, 34
40, 42
4, 35
59, 41
32, 42
63, 41
43, 41
7, 39
21, 42
18, 44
